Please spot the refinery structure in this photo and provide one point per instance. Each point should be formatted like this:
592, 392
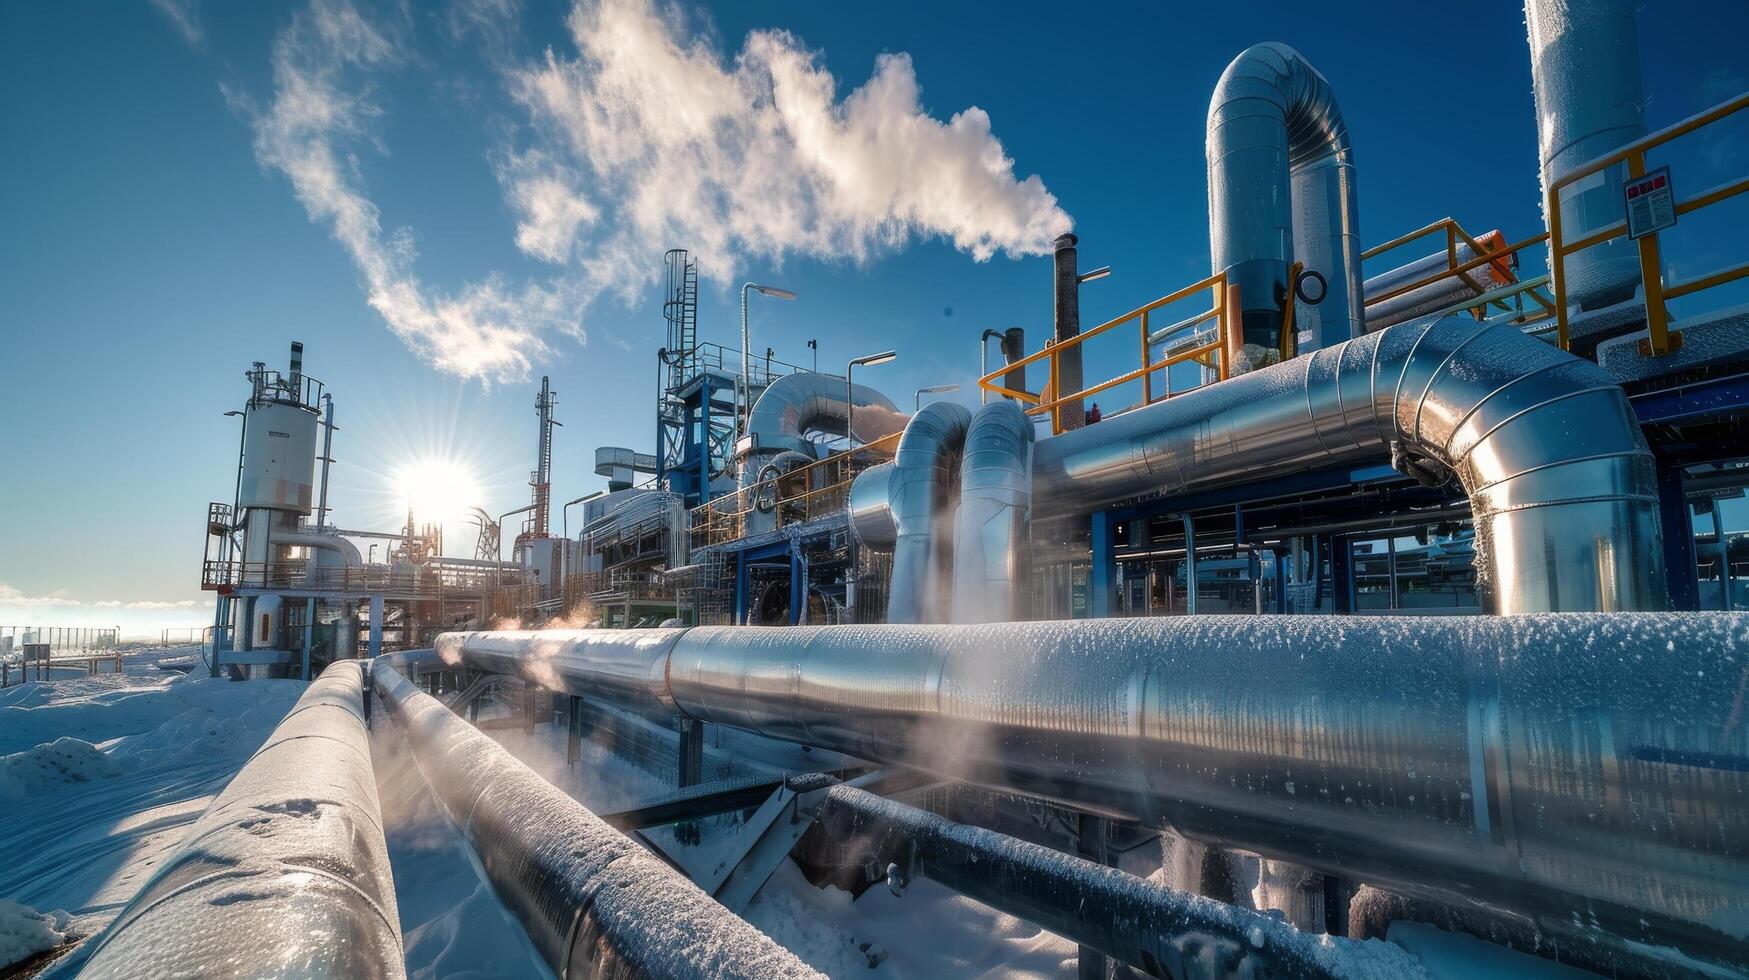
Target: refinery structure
1271, 624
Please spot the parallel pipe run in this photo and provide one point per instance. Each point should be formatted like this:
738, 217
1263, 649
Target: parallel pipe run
1164, 932
285, 874
1273, 125
1545, 445
919, 488
995, 505
1588, 773
594, 903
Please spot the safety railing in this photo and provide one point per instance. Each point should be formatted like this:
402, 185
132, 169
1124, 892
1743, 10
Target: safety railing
1660, 338
1484, 251
1218, 353
429, 580
806, 493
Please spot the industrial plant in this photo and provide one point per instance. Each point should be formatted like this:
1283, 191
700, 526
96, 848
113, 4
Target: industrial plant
1370, 592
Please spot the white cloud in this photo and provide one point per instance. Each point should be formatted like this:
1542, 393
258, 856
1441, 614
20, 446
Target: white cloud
321, 106
184, 15
11, 597
550, 210
755, 158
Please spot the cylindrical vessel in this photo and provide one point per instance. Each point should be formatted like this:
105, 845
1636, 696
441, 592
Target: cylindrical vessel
1585, 71
279, 457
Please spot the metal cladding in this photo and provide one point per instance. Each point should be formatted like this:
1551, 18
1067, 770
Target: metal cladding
1585, 71
871, 512
1273, 122
919, 490
1545, 445
594, 903
995, 503
1165, 932
279, 457
331, 543
797, 404
626, 665
1589, 773
286, 873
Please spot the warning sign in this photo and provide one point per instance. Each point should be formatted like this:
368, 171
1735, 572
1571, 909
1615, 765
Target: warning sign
1651, 203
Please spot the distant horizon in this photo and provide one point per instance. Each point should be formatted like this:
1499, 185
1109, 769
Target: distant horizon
446, 202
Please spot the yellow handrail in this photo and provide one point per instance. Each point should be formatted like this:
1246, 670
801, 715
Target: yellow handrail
724, 519
1213, 354
1482, 254
1660, 338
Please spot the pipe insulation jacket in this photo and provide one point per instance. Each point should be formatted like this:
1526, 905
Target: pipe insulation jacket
285, 874
994, 510
920, 490
594, 903
1589, 773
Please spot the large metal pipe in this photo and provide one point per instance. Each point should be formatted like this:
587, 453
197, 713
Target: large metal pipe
920, 487
594, 903
1585, 71
994, 511
1586, 773
285, 873
796, 405
1282, 186
1545, 445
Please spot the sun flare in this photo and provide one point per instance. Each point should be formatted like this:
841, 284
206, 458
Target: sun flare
440, 490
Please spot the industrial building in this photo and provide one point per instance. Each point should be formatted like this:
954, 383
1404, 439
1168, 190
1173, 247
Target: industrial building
1367, 597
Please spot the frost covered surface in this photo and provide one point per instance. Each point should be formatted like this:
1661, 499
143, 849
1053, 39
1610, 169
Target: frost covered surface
103, 775
25, 932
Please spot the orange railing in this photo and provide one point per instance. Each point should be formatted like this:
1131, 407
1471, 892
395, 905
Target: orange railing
1661, 339
1217, 353
803, 494
1484, 251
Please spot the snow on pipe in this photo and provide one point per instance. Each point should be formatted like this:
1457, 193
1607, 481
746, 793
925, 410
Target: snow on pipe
920, 489
1160, 930
1587, 773
286, 873
594, 903
1560, 482
1282, 186
1439, 294
990, 525
1585, 71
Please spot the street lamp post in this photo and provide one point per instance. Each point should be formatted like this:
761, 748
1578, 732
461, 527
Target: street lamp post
850, 389
744, 391
917, 406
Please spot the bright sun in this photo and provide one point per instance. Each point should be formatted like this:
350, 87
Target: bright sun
439, 489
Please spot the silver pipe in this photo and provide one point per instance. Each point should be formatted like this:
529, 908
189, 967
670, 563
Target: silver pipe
1560, 481
1585, 71
1273, 122
920, 488
1585, 772
993, 515
798, 404
1435, 296
327, 457
347, 551
594, 903
871, 512
286, 871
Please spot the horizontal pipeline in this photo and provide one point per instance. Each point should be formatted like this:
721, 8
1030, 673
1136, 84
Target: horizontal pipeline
1583, 771
594, 903
286, 873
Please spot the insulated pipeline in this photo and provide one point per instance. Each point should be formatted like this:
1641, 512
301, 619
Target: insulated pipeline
1588, 773
594, 903
286, 873
920, 487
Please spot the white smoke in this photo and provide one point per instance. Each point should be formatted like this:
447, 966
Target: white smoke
754, 158
321, 106
641, 138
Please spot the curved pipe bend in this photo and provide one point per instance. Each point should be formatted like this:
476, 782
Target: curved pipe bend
797, 404
994, 510
920, 489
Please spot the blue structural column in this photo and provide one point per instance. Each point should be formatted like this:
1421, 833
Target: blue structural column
309, 633
376, 625
1104, 562
741, 588
1342, 573
1678, 524
796, 595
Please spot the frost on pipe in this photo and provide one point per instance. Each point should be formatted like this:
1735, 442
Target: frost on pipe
1587, 772
594, 903
285, 874
1164, 932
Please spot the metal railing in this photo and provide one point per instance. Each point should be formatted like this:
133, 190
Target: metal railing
806, 493
1217, 354
1482, 253
1660, 338
432, 579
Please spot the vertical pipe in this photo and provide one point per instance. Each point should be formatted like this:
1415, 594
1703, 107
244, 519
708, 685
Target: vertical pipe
1067, 293
1013, 349
1099, 572
1190, 585
296, 375
309, 633
375, 647
1724, 556
327, 458
1391, 550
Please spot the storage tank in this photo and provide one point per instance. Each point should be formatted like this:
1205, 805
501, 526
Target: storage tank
279, 457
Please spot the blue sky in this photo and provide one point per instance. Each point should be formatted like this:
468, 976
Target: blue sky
189, 186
